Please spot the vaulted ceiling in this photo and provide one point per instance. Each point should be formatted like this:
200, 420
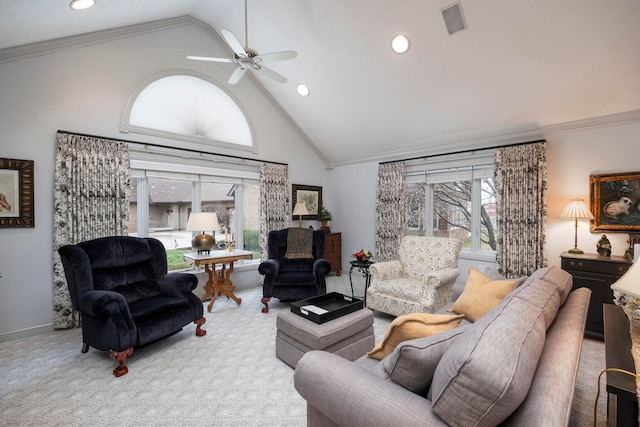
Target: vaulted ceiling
521, 65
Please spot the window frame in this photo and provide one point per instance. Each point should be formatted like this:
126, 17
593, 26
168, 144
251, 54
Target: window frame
199, 142
473, 166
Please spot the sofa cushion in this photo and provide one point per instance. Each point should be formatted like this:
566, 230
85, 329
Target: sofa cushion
555, 275
410, 326
490, 371
481, 295
412, 363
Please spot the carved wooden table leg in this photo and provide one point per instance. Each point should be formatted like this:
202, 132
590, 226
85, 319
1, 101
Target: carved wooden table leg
227, 286
121, 357
208, 287
265, 301
215, 287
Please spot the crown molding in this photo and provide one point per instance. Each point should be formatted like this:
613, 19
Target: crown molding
616, 119
468, 142
56, 45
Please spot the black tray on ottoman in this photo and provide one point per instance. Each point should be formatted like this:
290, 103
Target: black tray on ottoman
326, 307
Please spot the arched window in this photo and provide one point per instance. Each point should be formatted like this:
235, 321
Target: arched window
187, 107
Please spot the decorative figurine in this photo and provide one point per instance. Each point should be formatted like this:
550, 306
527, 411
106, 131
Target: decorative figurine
604, 246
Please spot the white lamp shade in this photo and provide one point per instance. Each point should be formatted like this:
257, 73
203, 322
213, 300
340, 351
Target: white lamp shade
629, 283
577, 209
203, 221
300, 209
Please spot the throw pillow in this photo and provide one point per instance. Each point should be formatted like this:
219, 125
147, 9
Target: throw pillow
481, 295
413, 362
411, 326
299, 243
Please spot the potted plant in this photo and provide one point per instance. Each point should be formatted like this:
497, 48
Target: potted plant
324, 216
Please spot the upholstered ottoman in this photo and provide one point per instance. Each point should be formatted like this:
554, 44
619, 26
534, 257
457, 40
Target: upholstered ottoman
350, 336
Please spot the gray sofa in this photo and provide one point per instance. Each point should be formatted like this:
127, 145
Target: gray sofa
515, 366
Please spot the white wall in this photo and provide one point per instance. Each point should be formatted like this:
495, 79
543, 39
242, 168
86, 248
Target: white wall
84, 89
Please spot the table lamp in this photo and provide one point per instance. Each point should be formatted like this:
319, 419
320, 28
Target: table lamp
576, 210
300, 209
203, 221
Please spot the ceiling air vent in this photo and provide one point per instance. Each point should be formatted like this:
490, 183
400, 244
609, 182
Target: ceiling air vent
453, 18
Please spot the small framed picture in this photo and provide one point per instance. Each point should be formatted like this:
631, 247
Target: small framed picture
310, 195
16, 193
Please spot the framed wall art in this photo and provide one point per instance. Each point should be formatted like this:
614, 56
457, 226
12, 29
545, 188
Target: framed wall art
310, 195
615, 202
16, 193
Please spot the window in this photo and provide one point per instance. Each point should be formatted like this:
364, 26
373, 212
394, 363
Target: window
162, 199
455, 201
187, 107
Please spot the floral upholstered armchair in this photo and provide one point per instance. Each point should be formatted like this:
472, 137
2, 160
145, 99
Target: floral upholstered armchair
420, 281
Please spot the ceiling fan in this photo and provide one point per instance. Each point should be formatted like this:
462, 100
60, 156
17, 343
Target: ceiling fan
248, 59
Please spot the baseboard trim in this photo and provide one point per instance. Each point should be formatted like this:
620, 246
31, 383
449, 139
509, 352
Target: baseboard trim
27, 332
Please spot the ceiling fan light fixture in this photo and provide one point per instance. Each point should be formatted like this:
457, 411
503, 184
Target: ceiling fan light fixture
303, 89
81, 4
400, 43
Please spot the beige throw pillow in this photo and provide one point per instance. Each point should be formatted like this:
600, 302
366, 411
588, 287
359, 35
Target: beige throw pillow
481, 295
411, 326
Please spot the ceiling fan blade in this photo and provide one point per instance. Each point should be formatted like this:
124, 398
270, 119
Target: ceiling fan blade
234, 44
276, 56
272, 74
207, 58
237, 75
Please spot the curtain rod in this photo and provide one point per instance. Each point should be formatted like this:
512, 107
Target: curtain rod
464, 151
172, 148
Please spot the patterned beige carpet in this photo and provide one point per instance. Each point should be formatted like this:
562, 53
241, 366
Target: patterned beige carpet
230, 377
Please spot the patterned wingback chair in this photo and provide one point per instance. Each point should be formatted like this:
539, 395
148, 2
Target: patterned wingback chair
420, 281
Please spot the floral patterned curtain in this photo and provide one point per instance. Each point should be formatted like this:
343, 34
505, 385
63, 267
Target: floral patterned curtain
390, 213
91, 200
274, 201
521, 199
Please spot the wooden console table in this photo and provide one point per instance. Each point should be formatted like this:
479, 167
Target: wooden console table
333, 251
219, 281
622, 403
596, 273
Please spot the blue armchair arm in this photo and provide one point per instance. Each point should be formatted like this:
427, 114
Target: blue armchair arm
270, 267
321, 267
177, 284
99, 303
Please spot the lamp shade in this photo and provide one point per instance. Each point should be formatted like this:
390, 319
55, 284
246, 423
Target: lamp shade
203, 221
577, 209
300, 209
629, 283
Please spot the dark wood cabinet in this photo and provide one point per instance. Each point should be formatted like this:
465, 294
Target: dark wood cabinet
333, 251
597, 273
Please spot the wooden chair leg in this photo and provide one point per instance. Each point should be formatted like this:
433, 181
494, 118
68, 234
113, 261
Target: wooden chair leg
265, 301
199, 331
121, 357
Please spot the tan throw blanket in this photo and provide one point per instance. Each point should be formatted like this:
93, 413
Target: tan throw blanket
299, 243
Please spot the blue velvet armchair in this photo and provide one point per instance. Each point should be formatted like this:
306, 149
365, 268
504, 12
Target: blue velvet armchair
125, 297
290, 279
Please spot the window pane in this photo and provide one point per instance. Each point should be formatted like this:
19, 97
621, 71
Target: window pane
251, 219
488, 215
452, 210
169, 209
415, 209
220, 198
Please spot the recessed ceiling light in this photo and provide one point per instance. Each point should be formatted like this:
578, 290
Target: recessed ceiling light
302, 89
400, 43
81, 4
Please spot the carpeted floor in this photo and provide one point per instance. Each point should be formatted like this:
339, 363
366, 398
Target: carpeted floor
230, 377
